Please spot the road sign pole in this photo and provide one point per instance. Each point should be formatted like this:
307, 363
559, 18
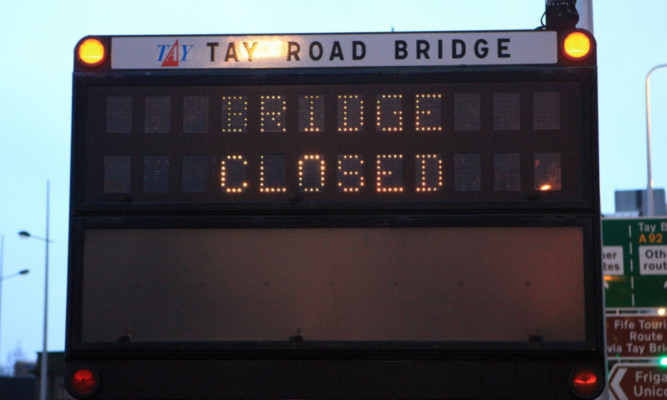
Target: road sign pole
649, 190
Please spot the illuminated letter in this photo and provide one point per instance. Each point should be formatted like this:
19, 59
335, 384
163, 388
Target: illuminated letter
428, 116
273, 114
350, 113
311, 173
311, 113
233, 174
234, 114
428, 172
272, 173
389, 173
350, 172
389, 112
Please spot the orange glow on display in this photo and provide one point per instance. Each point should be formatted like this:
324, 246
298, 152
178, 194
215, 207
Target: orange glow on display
267, 49
544, 188
91, 52
577, 45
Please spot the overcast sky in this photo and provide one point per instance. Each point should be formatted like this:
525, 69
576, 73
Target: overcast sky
37, 45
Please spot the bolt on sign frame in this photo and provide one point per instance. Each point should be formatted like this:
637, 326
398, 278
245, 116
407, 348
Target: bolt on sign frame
399, 215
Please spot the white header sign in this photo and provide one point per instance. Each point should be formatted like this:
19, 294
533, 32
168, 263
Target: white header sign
339, 50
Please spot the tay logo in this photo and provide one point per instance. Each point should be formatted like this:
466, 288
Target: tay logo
171, 55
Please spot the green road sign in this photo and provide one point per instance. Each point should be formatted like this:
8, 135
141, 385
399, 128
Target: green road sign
634, 262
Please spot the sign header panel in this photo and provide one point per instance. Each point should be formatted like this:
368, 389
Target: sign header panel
334, 51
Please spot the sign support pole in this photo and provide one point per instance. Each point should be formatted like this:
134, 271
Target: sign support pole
585, 9
649, 189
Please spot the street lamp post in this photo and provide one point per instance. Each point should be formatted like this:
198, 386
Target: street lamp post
44, 364
585, 9
3, 278
649, 189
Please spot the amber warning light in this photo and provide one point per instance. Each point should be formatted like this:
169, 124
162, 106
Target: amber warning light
577, 45
91, 52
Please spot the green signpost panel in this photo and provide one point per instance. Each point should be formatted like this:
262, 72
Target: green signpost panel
634, 258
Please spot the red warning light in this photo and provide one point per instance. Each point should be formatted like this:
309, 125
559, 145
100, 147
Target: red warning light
585, 382
84, 382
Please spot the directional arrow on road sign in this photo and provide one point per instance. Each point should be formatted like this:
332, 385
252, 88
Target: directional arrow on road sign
615, 383
638, 381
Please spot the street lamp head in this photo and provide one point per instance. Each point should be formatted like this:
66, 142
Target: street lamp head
15, 274
24, 234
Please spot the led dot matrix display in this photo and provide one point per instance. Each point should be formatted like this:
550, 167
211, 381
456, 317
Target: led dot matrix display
427, 142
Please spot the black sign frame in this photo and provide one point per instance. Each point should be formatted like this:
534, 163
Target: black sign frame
247, 369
